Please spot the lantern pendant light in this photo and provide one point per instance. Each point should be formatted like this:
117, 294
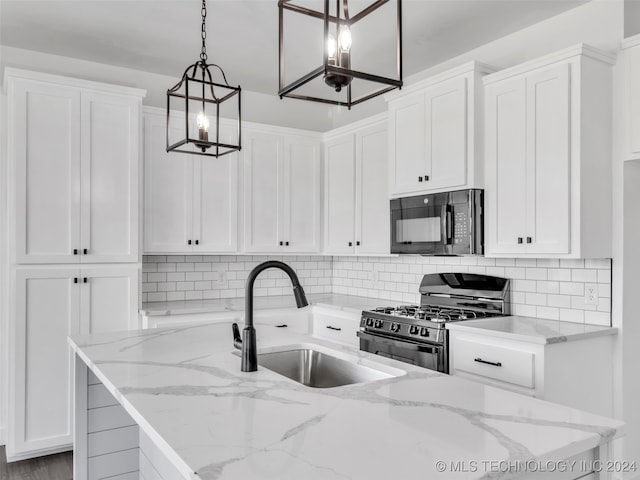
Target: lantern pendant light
337, 68
205, 104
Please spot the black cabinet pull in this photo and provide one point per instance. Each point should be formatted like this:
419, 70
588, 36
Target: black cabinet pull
75, 279
351, 244
426, 178
519, 239
197, 242
529, 239
486, 362
281, 243
188, 242
85, 251
337, 329
419, 179
75, 251
284, 325
85, 280
358, 243
286, 243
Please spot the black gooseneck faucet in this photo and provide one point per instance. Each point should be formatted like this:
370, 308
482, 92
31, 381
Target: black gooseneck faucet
247, 344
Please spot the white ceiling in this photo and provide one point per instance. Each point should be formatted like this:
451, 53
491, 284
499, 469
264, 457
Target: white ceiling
163, 36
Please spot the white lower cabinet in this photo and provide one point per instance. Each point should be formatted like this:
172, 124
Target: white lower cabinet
336, 325
576, 373
52, 303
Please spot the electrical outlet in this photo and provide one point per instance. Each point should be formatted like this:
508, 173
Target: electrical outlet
591, 294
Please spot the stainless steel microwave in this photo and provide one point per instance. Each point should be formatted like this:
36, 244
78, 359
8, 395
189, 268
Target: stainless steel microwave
446, 223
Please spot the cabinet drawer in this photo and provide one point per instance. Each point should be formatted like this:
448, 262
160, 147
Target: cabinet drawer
336, 328
493, 361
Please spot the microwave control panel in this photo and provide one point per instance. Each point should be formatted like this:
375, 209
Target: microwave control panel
460, 227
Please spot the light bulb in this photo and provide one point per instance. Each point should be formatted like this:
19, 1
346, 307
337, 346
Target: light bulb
331, 47
203, 122
345, 39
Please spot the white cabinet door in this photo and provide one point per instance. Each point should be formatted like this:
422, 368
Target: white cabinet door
407, 145
109, 178
372, 202
46, 311
215, 204
446, 135
548, 160
505, 195
632, 82
46, 148
301, 228
168, 180
108, 299
340, 192
263, 189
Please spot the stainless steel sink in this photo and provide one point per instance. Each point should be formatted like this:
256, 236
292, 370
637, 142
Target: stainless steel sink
316, 369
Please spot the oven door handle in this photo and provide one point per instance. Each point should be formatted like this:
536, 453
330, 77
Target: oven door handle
406, 344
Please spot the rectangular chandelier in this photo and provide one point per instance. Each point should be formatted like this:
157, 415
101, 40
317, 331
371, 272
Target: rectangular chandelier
359, 53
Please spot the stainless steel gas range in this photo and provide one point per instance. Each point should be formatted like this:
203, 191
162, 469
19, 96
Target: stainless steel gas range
417, 334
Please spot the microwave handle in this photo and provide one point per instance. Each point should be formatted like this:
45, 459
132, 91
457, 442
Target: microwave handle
445, 218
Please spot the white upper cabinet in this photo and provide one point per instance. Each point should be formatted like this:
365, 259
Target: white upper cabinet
74, 150
433, 144
356, 200
281, 192
548, 172
631, 97
191, 201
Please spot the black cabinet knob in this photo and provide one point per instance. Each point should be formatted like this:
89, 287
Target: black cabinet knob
188, 242
351, 244
519, 239
281, 243
75, 279
286, 243
358, 243
85, 251
197, 242
419, 179
75, 251
85, 280
426, 178
529, 240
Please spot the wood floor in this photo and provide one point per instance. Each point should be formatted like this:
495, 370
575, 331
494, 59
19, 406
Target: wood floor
51, 467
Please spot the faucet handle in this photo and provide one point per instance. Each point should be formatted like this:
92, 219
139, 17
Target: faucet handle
237, 339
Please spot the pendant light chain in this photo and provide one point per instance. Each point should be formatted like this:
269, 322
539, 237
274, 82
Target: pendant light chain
203, 53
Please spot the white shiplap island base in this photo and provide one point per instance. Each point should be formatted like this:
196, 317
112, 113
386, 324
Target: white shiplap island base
173, 403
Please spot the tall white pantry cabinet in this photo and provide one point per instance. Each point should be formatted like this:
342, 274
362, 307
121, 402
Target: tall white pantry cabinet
73, 205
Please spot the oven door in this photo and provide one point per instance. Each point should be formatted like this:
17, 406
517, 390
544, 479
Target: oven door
427, 355
422, 225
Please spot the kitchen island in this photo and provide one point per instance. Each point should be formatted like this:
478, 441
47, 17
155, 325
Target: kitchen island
173, 403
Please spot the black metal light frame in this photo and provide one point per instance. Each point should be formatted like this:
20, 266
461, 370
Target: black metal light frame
197, 84
326, 68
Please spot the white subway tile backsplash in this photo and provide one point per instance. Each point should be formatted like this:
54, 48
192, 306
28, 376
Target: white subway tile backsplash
546, 288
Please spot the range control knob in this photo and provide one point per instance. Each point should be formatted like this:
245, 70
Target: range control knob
424, 332
413, 329
395, 327
369, 322
379, 324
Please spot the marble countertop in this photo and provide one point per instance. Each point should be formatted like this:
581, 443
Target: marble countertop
343, 302
533, 330
184, 387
